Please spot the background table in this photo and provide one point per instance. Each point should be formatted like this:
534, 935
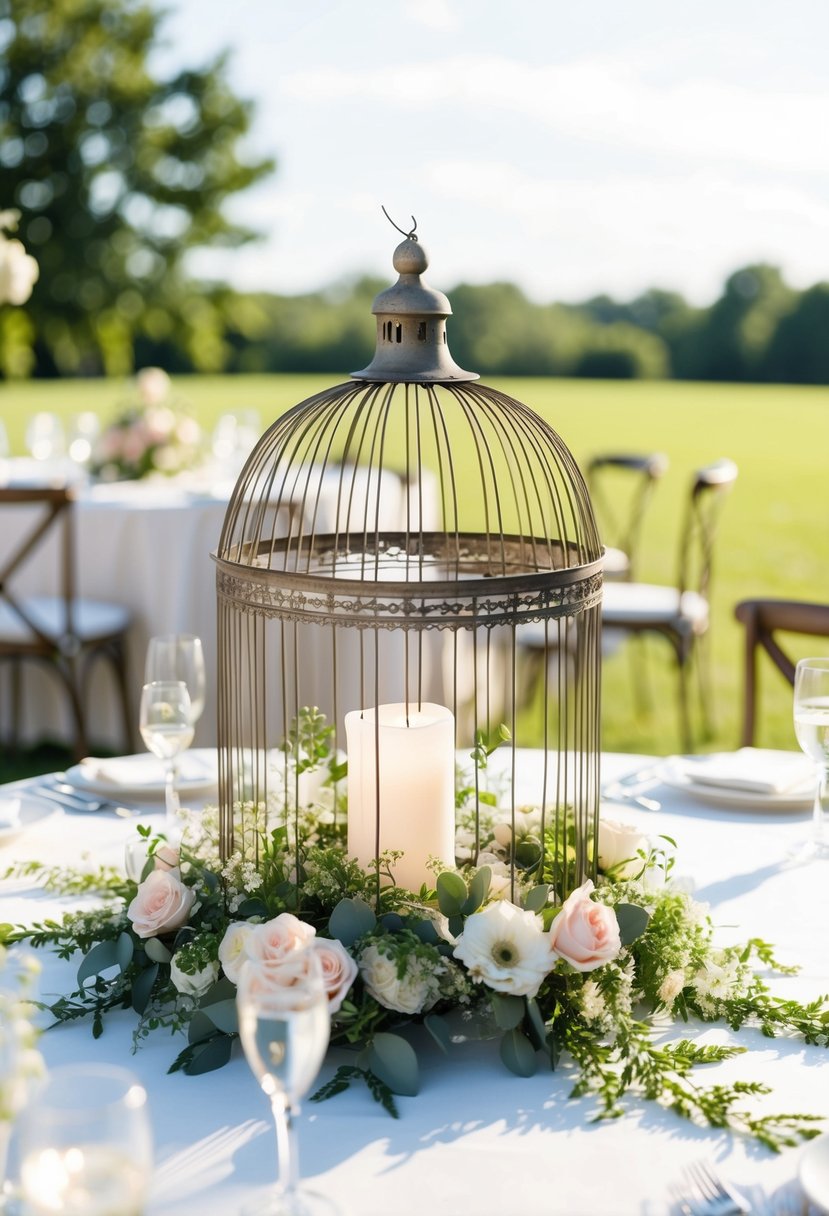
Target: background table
478, 1139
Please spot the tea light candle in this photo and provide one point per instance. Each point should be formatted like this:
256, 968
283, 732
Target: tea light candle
415, 779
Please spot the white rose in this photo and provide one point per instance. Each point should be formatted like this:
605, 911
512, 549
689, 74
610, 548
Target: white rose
193, 985
233, 950
506, 948
619, 846
18, 272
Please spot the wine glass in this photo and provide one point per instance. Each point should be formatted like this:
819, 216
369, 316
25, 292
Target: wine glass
166, 727
811, 725
284, 1025
45, 436
85, 1144
179, 656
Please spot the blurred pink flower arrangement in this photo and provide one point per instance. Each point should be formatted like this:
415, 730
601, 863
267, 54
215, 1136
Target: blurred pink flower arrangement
152, 436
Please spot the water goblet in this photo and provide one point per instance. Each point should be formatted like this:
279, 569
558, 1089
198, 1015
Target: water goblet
811, 726
166, 726
284, 1025
85, 1144
45, 436
179, 656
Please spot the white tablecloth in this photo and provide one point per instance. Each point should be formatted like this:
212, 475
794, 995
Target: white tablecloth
478, 1139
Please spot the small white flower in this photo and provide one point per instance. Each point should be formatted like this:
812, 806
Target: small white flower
671, 986
506, 948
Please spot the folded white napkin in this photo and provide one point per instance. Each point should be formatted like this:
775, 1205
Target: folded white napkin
755, 769
9, 813
147, 770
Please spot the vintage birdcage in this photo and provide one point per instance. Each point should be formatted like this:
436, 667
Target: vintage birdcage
386, 544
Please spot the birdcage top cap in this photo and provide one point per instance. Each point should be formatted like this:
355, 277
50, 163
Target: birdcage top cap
411, 325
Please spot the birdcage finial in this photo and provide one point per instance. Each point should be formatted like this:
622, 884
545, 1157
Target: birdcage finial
411, 323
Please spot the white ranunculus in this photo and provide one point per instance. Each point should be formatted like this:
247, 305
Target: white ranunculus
619, 846
506, 948
193, 985
233, 949
18, 272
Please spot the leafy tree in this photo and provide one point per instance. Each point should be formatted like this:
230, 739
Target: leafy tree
739, 326
118, 175
799, 351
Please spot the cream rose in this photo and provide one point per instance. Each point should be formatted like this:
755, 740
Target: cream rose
193, 985
585, 934
162, 903
277, 938
233, 949
339, 970
418, 989
619, 846
506, 948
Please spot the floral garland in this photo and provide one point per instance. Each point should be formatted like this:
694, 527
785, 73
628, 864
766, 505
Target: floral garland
488, 952
152, 436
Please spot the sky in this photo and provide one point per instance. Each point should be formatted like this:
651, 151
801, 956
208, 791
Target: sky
572, 148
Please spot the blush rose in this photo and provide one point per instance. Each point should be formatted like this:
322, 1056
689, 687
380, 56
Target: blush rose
585, 934
162, 903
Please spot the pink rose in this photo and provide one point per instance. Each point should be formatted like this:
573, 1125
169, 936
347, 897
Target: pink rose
339, 970
277, 938
162, 902
293, 983
585, 934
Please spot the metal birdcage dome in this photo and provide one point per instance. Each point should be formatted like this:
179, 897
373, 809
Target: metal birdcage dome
386, 544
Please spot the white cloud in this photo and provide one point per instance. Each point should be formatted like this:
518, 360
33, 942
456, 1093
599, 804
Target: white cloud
433, 14
601, 98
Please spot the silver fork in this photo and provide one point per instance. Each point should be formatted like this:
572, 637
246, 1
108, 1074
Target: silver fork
709, 1196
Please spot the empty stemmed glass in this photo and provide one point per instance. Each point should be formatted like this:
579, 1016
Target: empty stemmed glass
179, 656
166, 726
811, 725
284, 1025
85, 1144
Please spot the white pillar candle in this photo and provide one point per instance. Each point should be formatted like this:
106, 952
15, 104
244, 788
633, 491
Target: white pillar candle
416, 783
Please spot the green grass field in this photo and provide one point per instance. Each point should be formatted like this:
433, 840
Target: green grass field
774, 535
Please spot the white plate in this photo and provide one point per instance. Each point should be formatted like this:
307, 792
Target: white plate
727, 796
31, 810
814, 1172
141, 777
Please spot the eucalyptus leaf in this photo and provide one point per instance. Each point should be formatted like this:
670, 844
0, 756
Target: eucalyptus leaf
633, 921
209, 1056
508, 1009
426, 931
456, 925
100, 958
518, 1054
142, 987
451, 893
392, 922
157, 951
200, 1027
223, 1015
252, 907
222, 990
439, 1031
124, 951
351, 919
536, 1030
536, 899
393, 1060
478, 889
527, 854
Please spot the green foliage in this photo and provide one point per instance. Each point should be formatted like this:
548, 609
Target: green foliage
118, 175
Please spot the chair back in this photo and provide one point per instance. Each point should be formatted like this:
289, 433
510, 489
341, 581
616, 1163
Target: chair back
621, 485
709, 488
763, 619
51, 519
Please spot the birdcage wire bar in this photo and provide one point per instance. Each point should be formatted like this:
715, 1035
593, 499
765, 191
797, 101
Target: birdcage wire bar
397, 536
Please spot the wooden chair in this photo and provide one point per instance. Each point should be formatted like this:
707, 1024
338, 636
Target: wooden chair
621, 485
763, 619
64, 633
679, 613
